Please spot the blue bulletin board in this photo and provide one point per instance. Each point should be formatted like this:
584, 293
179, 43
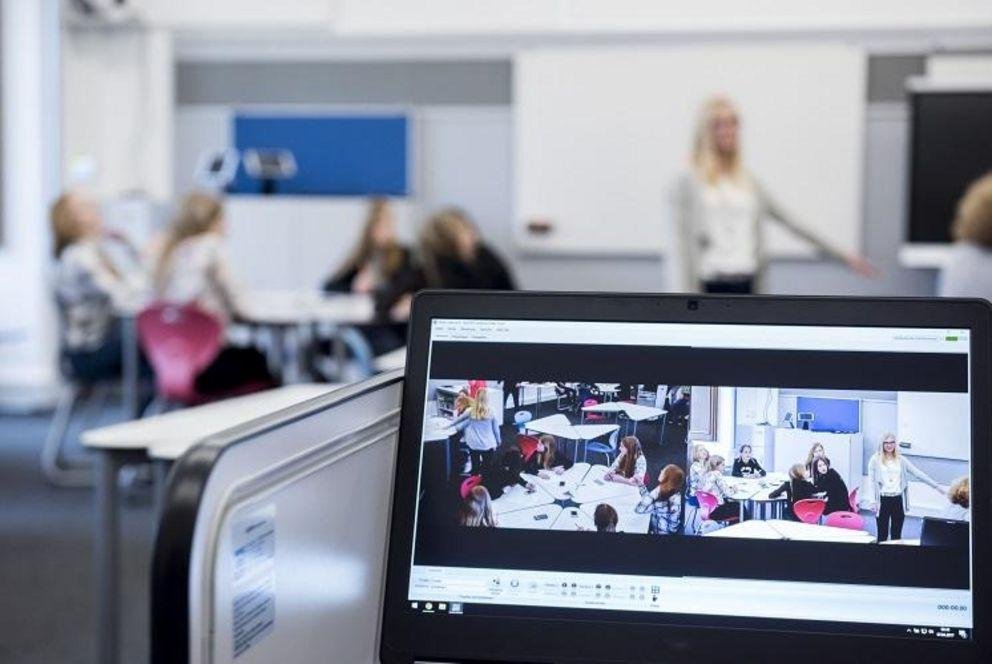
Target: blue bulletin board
339, 155
832, 415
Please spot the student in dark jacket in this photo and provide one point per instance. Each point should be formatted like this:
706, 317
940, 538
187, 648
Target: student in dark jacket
830, 482
546, 460
746, 465
796, 488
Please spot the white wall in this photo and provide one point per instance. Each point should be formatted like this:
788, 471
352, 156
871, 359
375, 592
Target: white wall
30, 158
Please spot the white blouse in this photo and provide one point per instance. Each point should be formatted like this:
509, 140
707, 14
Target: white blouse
730, 246
198, 271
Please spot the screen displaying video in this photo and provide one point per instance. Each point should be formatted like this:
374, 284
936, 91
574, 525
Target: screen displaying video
698, 473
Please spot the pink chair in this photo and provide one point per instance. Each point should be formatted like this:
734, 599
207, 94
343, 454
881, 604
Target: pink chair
591, 417
468, 484
527, 446
474, 386
179, 341
849, 520
852, 499
809, 510
707, 504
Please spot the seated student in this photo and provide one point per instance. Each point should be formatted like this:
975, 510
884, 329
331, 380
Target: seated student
698, 468
959, 494
713, 482
968, 270
830, 482
630, 466
605, 518
545, 460
666, 507
477, 509
373, 268
797, 487
480, 432
815, 452
746, 465
90, 287
193, 267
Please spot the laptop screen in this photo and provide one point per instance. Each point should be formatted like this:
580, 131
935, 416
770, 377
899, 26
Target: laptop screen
772, 477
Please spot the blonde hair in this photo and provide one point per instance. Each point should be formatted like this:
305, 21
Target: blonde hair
810, 456
697, 449
478, 408
439, 240
896, 454
797, 472
477, 510
392, 255
973, 220
65, 223
198, 214
705, 160
715, 462
959, 492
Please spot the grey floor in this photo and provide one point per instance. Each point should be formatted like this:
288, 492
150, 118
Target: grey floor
47, 598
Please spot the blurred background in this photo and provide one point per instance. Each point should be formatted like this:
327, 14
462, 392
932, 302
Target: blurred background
274, 180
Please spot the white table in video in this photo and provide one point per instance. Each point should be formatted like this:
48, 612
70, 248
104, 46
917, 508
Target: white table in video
754, 493
560, 487
573, 519
596, 489
517, 497
629, 518
439, 430
747, 530
540, 517
811, 532
558, 425
609, 390
634, 412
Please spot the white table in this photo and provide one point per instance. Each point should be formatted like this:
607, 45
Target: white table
519, 398
573, 519
517, 497
596, 489
540, 517
634, 412
439, 429
162, 437
747, 530
755, 491
903, 542
559, 426
628, 519
610, 389
811, 532
560, 487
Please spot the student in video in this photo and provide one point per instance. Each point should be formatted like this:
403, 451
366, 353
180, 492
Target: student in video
968, 270
477, 509
90, 287
888, 483
193, 268
666, 506
746, 465
374, 267
959, 494
480, 432
605, 518
698, 468
630, 466
815, 452
830, 482
797, 487
713, 482
546, 461
721, 208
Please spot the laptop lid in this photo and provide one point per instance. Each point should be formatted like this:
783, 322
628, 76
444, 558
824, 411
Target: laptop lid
590, 478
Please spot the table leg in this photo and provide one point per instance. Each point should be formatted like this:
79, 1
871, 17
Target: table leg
129, 373
447, 458
108, 558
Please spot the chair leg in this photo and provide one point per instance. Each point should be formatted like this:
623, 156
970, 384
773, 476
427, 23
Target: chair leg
51, 452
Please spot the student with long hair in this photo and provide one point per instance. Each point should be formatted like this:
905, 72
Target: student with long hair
193, 268
605, 518
815, 453
630, 466
959, 495
480, 432
713, 482
477, 509
546, 459
888, 485
91, 287
698, 468
666, 506
968, 270
746, 465
829, 481
797, 487
721, 207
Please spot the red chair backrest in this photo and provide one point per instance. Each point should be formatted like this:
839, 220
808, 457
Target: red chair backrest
707, 503
179, 342
852, 499
527, 445
809, 510
589, 402
848, 520
470, 483
474, 386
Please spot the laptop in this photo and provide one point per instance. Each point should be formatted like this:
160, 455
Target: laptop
546, 507
945, 532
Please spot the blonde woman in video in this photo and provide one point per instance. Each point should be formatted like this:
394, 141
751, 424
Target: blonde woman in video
888, 483
480, 432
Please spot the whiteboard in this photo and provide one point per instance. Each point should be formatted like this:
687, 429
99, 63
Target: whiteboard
601, 135
936, 424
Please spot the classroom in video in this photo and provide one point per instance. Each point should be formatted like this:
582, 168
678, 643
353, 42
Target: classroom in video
786, 464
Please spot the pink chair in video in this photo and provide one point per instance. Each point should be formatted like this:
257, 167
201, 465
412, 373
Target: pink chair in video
848, 520
707, 504
809, 510
468, 484
852, 499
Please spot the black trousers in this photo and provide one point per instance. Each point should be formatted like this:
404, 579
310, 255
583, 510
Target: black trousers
890, 518
482, 461
735, 286
233, 368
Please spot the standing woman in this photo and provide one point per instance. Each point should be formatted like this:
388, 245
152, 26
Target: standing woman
888, 484
721, 207
193, 268
480, 432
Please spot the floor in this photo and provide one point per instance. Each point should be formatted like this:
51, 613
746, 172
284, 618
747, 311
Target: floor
47, 610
